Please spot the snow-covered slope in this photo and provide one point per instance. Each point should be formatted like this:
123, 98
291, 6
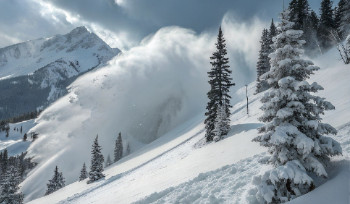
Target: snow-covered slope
156, 92
14, 142
44, 67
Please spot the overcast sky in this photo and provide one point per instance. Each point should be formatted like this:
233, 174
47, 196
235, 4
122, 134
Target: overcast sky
123, 23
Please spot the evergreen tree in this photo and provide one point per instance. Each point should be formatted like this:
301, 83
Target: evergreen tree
128, 150
344, 24
108, 161
4, 161
57, 182
337, 17
9, 188
293, 131
220, 82
272, 33
299, 12
118, 149
326, 25
25, 137
305, 20
221, 124
314, 19
310, 28
83, 173
97, 161
263, 64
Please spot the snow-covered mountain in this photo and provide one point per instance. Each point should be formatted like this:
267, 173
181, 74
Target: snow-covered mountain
155, 94
44, 67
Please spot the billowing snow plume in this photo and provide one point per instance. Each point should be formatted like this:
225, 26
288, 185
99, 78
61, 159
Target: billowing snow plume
143, 93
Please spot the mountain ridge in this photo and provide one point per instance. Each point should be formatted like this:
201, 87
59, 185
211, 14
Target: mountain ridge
44, 68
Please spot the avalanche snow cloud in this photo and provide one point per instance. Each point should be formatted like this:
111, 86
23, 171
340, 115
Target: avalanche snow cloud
143, 93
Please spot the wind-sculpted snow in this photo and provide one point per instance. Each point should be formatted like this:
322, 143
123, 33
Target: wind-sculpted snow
225, 185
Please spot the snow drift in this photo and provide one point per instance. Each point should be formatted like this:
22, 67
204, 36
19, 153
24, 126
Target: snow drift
143, 93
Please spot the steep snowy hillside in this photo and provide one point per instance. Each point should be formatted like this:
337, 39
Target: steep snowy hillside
14, 142
143, 93
179, 168
44, 67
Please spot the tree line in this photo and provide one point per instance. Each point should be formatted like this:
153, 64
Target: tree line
320, 33
13, 170
96, 167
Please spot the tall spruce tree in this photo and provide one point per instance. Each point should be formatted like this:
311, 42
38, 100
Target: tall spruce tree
97, 161
314, 19
263, 64
118, 149
326, 25
9, 187
272, 32
293, 131
220, 82
299, 12
310, 29
304, 20
83, 173
57, 182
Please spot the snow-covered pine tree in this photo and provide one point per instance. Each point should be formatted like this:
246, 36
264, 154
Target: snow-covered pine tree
108, 161
220, 82
326, 25
263, 64
293, 131
299, 11
9, 187
57, 182
97, 161
118, 149
304, 20
221, 123
83, 173
272, 33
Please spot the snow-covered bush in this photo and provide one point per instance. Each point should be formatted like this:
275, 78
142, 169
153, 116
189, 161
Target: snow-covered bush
293, 131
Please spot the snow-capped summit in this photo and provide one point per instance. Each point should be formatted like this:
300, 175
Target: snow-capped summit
78, 45
44, 67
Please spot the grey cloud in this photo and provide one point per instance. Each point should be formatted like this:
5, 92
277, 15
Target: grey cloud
21, 20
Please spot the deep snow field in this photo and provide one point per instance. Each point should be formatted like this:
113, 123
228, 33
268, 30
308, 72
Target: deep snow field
179, 167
